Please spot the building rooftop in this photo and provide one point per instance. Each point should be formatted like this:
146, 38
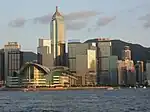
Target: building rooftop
57, 13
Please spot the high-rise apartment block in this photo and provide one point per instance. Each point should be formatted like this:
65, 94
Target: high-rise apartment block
126, 69
126, 53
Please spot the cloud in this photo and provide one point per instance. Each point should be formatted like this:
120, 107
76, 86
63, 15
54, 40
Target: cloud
43, 19
104, 21
76, 25
69, 19
146, 18
81, 15
147, 25
19, 22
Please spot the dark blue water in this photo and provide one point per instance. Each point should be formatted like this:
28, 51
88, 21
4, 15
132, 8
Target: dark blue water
123, 100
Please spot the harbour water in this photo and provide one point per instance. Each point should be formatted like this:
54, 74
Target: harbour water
94, 100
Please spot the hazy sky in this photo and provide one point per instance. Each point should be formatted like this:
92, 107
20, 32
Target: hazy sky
25, 21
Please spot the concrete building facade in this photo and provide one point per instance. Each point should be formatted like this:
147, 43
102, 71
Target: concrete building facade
44, 55
82, 60
126, 53
126, 69
8, 48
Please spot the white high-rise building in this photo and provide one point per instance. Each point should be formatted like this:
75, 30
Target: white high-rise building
44, 53
58, 38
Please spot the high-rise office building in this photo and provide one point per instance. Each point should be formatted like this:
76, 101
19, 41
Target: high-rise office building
44, 56
139, 72
2, 78
148, 71
58, 38
113, 70
11, 53
104, 51
82, 61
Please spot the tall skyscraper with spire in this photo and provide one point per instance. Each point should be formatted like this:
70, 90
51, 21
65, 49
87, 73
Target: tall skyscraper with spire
58, 38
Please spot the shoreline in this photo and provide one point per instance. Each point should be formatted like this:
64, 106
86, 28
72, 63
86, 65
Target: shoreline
55, 89
61, 88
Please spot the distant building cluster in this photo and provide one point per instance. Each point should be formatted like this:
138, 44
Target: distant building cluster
90, 63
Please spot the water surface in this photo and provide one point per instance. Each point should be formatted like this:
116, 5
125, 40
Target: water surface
123, 100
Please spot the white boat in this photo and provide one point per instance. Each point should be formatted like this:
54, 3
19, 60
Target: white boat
144, 87
25, 89
134, 87
110, 88
130, 87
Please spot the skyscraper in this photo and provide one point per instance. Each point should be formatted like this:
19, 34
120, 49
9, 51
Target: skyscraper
139, 72
58, 38
44, 56
2, 78
126, 53
13, 59
104, 51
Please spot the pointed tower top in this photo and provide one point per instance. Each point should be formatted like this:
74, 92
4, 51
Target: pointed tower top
56, 8
57, 13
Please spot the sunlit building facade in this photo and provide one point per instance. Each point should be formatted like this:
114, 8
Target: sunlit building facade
126, 69
82, 61
36, 75
58, 38
126, 53
44, 55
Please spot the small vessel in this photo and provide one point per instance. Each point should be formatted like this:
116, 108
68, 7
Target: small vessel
30, 88
25, 89
130, 87
144, 87
110, 88
134, 87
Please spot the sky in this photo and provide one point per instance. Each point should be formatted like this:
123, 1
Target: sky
25, 21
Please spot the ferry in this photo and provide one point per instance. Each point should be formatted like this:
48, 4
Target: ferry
110, 88
29, 89
144, 87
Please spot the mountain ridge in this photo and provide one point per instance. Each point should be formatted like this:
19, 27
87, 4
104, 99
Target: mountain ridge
138, 52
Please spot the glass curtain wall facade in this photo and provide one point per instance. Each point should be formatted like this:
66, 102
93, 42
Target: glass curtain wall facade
15, 61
